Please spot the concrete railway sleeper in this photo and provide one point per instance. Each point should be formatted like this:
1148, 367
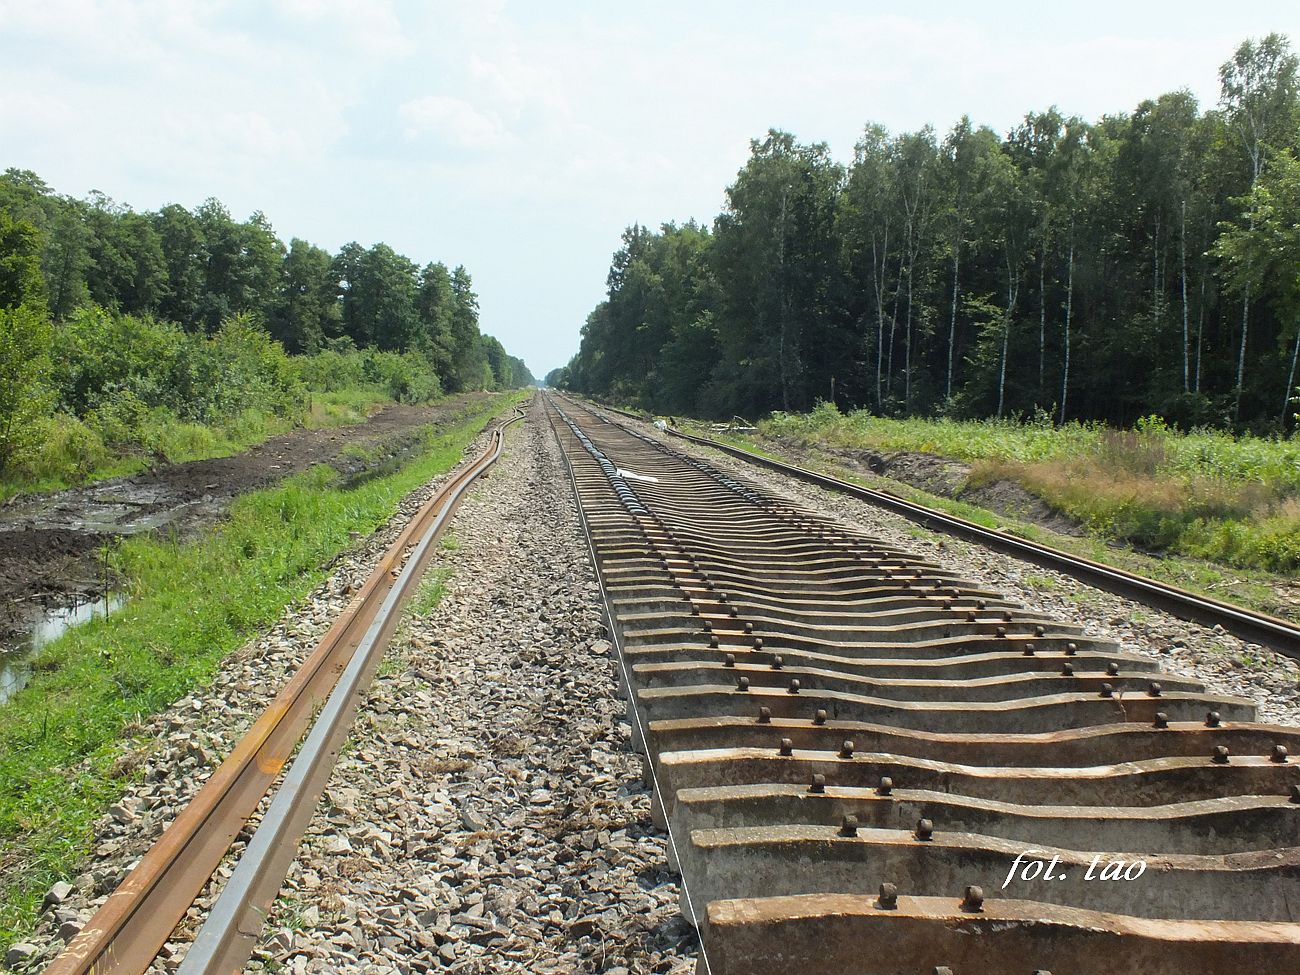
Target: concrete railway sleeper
869, 766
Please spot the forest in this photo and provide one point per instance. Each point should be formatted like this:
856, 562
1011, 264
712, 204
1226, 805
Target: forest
1146, 263
125, 331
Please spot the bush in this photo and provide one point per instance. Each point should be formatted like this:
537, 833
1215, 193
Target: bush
25, 340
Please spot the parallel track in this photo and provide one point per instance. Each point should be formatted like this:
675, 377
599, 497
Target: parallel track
126, 934
850, 746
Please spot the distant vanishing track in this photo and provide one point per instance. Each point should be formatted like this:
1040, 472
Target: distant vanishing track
851, 746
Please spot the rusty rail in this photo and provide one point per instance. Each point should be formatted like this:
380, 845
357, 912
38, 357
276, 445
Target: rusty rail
850, 747
127, 932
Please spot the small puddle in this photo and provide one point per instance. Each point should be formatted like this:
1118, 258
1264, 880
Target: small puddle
15, 661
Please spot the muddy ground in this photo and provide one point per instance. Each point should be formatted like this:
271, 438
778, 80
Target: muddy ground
50, 544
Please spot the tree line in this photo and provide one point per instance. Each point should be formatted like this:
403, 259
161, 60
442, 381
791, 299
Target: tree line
199, 268
1144, 263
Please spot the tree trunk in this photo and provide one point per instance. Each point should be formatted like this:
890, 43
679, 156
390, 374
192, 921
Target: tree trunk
784, 310
1182, 249
1200, 329
1042, 317
1290, 382
1069, 309
893, 324
907, 347
952, 323
1241, 354
1012, 290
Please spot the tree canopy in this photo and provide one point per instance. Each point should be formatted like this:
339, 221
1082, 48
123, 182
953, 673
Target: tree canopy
1140, 263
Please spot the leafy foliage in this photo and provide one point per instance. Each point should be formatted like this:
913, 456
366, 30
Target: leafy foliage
1144, 263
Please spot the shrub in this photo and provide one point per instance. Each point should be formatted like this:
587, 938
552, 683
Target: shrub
25, 340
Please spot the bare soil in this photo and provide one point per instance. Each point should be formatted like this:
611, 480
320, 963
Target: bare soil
50, 543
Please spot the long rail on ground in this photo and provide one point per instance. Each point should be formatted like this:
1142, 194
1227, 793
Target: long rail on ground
126, 934
1279, 634
867, 764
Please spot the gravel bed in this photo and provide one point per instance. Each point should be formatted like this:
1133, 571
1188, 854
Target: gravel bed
166, 758
489, 814
1225, 664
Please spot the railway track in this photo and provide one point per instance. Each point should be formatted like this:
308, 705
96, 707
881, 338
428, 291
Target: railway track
125, 935
867, 764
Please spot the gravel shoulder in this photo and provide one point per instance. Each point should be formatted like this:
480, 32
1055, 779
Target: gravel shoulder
488, 813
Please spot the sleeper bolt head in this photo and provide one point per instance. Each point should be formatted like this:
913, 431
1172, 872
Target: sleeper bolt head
818, 783
846, 749
888, 899
1162, 720
886, 786
974, 899
1279, 754
820, 716
1220, 756
924, 830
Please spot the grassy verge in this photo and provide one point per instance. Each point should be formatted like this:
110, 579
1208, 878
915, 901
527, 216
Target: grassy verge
1255, 589
1234, 501
71, 452
190, 605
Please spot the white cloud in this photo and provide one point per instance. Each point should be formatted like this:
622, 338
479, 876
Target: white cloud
453, 121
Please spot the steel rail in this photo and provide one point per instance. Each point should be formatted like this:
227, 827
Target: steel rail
1247, 624
125, 935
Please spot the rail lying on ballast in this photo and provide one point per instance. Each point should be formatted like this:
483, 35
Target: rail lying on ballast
868, 765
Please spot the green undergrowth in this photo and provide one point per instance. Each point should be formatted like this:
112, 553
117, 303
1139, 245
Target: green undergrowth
69, 451
190, 604
1204, 494
1255, 589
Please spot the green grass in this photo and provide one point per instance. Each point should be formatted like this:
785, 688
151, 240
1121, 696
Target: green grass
1234, 501
190, 605
432, 588
1255, 589
70, 452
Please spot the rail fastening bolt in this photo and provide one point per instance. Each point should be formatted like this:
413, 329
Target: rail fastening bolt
886, 786
888, 899
1279, 753
742, 684
924, 829
818, 783
849, 825
1212, 719
1162, 720
1154, 688
729, 660
1221, 754
819, 717
794, 686
1067, 670
764, 715
846, 749
787, 746
1107, 690
777, 662
974, 899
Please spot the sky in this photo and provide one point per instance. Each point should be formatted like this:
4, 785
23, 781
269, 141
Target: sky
521, 138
